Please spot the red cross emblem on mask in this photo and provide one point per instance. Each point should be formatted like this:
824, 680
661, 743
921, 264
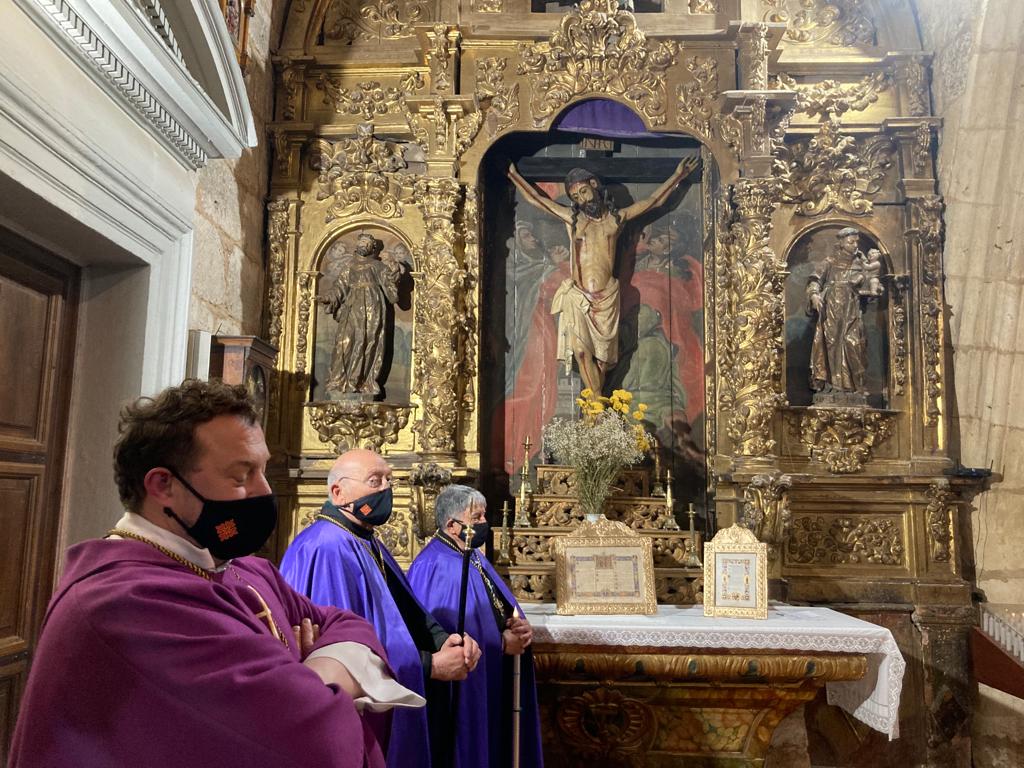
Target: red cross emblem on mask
226, 530
365, 510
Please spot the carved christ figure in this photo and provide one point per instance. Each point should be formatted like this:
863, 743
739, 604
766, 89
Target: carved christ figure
587, 303
359, 300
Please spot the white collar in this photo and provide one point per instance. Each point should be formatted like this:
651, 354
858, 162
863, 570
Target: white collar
135, 523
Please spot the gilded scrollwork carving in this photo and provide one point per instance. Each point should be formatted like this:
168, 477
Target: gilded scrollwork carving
898, 334
833, 540
830, 97
843, 438
442, 40
349, 21
597, 49
467, 282
921, 151
828, 22
361, 175
606, 724
278, 233
766, 510
695, 98
533, 587
345, 425
488, 6
749, 277
370, 98
292, 77
913, 74
498, 102
398, 532
704, 6
436, 375
834, 171
754, 55
302, 333
938, 515
926, 229
443, 126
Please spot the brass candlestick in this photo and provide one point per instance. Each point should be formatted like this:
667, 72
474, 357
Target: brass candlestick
692, 559
505, 541
658, 489
522, 519
670, 512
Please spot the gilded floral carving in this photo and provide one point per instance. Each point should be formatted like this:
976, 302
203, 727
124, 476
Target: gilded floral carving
830, 97
749, 277
361, 175
913, 73
704, 6
766, 510
302, 333
834, 540
822, 22
926, 220
843, 438
498, 102
533, 587
436, 376
442, 39
833, 171
488, 6
349, 21
921, 151
467, 281
346, 425
754, 55
938, 516
604, 723
278, 233
597, 50
292, 77
898, 334
695, 98
443, 126
370, 98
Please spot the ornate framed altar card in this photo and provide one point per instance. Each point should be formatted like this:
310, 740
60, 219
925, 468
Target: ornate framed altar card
604, 567
736, 575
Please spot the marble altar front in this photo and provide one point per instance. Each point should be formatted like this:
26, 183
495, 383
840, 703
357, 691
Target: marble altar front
657, 690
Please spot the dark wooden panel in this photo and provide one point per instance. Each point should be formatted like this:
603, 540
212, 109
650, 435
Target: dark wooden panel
12, 682
24, 328
19, 497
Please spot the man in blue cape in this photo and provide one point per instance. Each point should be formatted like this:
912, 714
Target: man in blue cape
494, 617
339, 561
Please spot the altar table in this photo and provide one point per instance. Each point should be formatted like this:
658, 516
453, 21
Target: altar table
679, 688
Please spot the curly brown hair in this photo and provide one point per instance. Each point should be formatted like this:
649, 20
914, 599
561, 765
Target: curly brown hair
160, 431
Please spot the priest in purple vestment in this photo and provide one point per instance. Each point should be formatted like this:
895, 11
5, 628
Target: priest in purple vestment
338, 560
494, 617
166, 644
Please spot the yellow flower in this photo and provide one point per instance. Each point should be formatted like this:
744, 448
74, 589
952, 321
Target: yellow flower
587, 393
597, 407
641, 407
581, 402
622, 394
638, 415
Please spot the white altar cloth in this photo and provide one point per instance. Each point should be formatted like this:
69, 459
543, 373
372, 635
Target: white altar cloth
874, 699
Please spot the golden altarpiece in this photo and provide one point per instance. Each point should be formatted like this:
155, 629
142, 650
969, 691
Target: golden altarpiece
397, 118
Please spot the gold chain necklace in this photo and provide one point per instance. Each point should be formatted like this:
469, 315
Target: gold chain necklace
199, 571
495, 600
375, 555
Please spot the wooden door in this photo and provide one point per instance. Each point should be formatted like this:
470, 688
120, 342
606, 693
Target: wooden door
38, 306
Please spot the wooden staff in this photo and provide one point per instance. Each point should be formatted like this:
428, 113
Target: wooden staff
517, 694
461, 631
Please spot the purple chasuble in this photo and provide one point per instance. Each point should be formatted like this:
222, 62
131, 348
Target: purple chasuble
143, 662
484, 738
332, 566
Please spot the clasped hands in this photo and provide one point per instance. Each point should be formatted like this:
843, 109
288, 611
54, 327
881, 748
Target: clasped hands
457, 658
517, 636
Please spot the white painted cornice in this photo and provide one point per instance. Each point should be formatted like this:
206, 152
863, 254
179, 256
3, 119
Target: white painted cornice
117, 45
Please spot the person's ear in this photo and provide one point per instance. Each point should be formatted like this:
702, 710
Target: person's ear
158, 485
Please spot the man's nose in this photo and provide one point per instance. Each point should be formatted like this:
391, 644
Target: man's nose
260, 485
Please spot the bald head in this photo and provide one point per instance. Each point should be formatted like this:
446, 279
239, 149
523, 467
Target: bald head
355, 474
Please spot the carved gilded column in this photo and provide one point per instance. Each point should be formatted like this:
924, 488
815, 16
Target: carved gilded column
926, 239
282, 236
439, 279
750, 279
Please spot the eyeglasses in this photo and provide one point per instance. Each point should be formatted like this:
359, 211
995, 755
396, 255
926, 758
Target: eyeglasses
374, 481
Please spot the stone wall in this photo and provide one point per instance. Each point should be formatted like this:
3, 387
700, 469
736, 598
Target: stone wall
228, 255
978, 86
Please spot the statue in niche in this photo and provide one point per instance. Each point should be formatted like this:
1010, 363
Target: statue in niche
587, 303
363, 289
837, 288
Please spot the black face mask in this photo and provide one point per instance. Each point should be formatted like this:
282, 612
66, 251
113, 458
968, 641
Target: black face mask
374, 509
233, 527
481, 532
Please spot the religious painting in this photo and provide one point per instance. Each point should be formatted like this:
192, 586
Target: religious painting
236, 17
364, 319
657, 336
837, 298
